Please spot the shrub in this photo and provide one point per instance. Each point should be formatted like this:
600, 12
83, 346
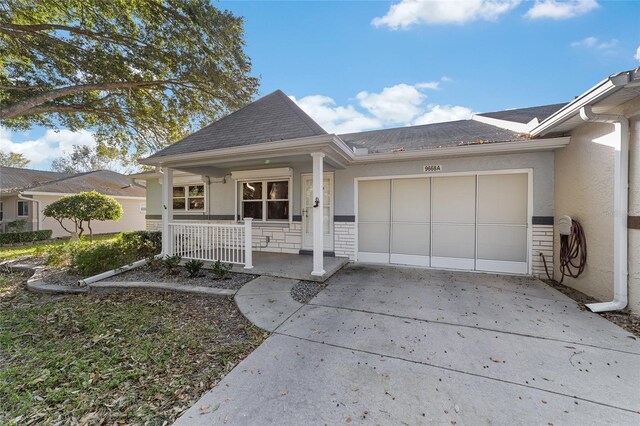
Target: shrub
148, 242
171, 263
17, 225
102, 257
220, 270
193, 267
25, 237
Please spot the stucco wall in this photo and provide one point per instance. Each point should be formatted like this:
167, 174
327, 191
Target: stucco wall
584, 173
10, 213
132, 218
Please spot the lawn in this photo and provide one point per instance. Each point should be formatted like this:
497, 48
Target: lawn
139, 358
40, 249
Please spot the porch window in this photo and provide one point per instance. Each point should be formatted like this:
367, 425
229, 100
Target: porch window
23, 208
188, 198
266, 200
1, 211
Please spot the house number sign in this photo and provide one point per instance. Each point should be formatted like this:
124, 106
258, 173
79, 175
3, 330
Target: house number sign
433, 168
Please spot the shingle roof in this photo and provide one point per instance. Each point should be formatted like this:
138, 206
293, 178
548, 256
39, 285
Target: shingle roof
451, 133
270, 118
525, 115
104, 181
14, 179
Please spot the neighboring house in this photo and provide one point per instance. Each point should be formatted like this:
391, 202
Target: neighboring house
25, 193
478, 195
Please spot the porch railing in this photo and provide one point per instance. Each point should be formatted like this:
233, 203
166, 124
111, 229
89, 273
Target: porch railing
212, 242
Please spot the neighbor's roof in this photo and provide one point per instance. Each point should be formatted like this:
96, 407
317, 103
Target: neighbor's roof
436, 135
525, 115
104, 181
14, 179
271, 118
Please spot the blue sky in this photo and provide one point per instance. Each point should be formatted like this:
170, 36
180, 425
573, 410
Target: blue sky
364, 65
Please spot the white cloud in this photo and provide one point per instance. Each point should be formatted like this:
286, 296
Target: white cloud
399, 105
396, 104
414, 12
594, 43
335, 119
47, 147
637, 54
441, 113
553, 9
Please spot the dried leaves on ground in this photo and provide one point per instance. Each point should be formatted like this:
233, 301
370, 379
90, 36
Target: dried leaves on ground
127, 358
206, 277
626, 320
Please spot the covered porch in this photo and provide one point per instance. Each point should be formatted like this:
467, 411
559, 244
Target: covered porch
237, 230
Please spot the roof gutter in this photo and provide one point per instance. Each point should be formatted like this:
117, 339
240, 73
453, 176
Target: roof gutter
461, 150
596, 93
620, 208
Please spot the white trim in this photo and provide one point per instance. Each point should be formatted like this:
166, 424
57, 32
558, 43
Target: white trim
283, 172
62, 194
239, 212
369, 257
502, 266
18, 208
452, 263
514, 126
409, 259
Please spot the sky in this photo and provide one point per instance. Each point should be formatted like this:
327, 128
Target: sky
355, 66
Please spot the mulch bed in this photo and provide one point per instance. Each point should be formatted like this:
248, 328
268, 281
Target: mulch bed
626, 320
304, 291
232, 280
60, 276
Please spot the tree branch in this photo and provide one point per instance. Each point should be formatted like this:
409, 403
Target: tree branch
23, 107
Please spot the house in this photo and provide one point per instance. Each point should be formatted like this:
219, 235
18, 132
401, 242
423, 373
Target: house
481, 194
25, 193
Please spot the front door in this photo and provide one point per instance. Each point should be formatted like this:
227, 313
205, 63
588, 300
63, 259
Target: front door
307, 211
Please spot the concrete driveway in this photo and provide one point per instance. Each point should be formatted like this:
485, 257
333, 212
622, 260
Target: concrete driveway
392, 345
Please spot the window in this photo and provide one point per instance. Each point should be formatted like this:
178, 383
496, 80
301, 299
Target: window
266, 200
188, 197
23, 208
1, 211
143, 207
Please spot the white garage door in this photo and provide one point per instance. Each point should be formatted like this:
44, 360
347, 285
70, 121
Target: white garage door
473, 222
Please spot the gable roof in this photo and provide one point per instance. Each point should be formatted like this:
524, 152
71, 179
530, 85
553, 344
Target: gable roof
436, 135
270, 118
104, 181
525, 115
14, 179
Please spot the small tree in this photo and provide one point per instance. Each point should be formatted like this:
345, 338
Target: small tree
84, 207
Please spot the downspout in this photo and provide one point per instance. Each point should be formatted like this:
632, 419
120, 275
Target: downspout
620, 208
37, 202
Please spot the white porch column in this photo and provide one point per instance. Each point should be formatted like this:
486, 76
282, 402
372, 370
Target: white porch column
248, 243
318, 213
167, 207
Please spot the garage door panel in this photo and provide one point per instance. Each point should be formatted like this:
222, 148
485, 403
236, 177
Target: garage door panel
453, 199
373, 237
411, 200
456, 241
411, 239
504, 243
502, 199
374, 202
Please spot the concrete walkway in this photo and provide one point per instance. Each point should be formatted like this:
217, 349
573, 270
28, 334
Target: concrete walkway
267, 302
390, 345
294, 266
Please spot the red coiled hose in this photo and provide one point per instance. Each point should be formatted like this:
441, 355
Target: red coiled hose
573, 252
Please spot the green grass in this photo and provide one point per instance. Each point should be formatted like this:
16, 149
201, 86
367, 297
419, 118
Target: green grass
40, 249
121, 358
